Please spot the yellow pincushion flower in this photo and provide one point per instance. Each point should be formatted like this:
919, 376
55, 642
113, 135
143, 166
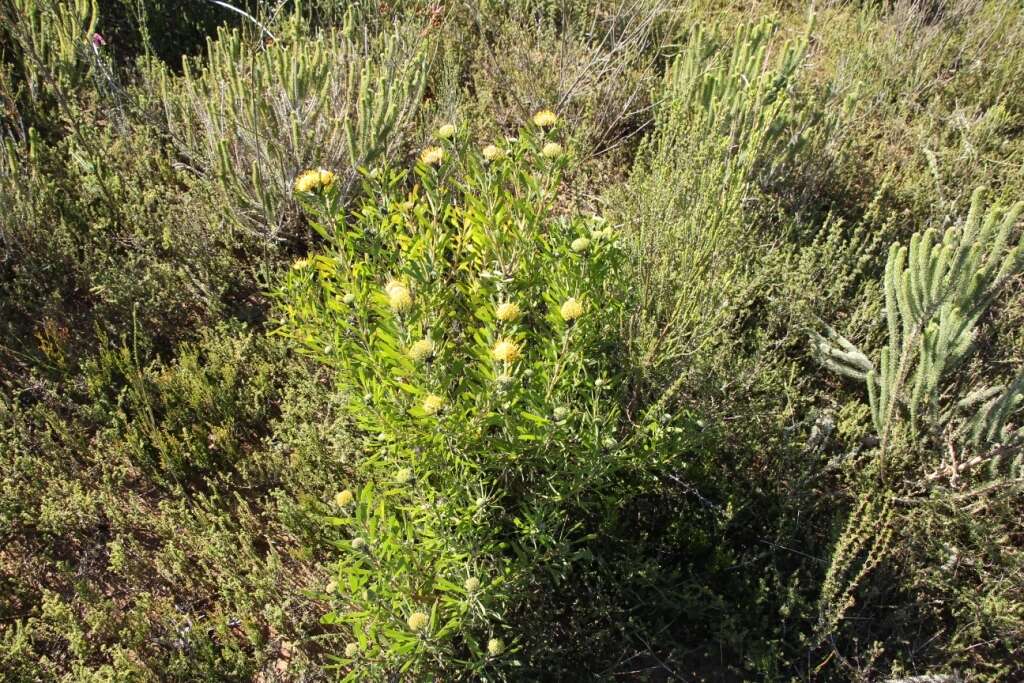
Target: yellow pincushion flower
351, 650
399, 296
507, 312
432, 404
331, 587
580, 244
493, 153
432, 156
358, 543
311, 181
403, 476
446, 131
495, 647
506, 350
571, 309
418, 621
545, 118
472, 584
343, 498
551, 150
424, 348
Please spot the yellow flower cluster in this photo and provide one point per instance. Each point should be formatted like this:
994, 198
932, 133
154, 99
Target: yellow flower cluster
551, 150
351, 650
495, 647
314, 180
446, 131
506, 350
403, 476
545, 118
399, 296
424, 348
432, 156
580, 244
432, 404
343, 498
493, 153
472, 584
571, 309
507, 312
418, 621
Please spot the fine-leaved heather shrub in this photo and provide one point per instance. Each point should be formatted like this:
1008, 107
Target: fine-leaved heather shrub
50, 45
251, 116
471, 330
725, 121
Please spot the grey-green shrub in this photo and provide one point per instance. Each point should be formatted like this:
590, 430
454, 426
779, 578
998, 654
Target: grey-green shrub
251, 116
724, 120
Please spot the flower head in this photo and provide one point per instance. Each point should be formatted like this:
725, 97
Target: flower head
418, 621
432, 156
493, 153
506, 350
403, 476
343, 498
551, 150
331, 587
399, 297
507, 312
424, 348
560, 413
472, 584
545, 118
349, 298
300, 264
351, 650
314, 180
580, 244
358, 543
495, 647
571, 309
432, 404
446, 131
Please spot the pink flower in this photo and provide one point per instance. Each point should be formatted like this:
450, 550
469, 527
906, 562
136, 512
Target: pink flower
97, 40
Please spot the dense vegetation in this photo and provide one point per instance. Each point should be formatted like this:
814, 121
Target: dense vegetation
611, 340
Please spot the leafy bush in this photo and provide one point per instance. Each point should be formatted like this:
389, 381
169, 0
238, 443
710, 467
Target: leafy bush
470, 328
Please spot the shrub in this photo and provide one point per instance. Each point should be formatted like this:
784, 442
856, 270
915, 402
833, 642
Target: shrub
470, 328
250, 117
99, 228
725, 122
